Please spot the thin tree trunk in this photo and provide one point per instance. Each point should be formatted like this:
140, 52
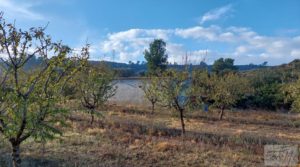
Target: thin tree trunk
153, 105
92, 116
221, 113
182, 122
16, 155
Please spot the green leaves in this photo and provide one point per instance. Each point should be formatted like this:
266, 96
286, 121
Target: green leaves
201, 87
292, 95
173, 87
156, 57
46, 132
228, 89
95, 86
223, 66
30, 98
151, 89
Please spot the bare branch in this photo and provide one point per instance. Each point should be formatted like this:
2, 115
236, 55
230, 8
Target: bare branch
2, 126
31, 88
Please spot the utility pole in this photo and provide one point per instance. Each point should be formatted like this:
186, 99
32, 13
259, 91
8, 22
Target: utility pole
113, 57
186, 61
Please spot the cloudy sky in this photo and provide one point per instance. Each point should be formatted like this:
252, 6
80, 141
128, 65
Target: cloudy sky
250, 31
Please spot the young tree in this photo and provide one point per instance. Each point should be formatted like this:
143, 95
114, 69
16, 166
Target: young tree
201, 86
156, 57
227, 90
95, 88
174, 87
223, 66
151, 91
292, 95
29, 99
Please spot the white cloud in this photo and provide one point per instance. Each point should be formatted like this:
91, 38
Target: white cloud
216, 14
295, 53
243, 44
249, 45
198, 32
130, 45
215, 33
14, 10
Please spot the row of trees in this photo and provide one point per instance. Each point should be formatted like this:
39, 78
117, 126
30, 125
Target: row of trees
181, 91
223, 87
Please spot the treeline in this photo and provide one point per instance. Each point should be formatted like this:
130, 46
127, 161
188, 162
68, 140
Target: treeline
224, 87
139, 69
272, 87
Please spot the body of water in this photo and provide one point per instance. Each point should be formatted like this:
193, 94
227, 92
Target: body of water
129, 92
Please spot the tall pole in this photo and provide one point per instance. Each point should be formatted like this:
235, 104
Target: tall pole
113, 57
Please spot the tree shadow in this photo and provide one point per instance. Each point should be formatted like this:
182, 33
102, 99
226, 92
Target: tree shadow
27, 161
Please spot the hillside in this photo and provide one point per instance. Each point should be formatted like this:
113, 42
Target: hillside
140, 69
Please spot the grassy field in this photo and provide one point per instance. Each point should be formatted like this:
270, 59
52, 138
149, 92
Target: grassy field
131, 136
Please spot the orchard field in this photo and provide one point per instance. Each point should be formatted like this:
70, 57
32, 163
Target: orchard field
132, 136
177, 104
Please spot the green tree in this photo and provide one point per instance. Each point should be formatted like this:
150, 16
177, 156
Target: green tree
267, 85
201, 86
151, 90
292, 95
156, 57
174, 88
95, 88
29, 100
223, 66
227, 90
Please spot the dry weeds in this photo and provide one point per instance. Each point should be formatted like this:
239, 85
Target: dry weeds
132, 137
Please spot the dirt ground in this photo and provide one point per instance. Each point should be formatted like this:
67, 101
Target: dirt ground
131, 136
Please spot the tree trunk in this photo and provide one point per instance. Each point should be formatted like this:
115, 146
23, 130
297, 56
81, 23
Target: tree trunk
153, 105
221, 113
92, 116
182, 122
16, 155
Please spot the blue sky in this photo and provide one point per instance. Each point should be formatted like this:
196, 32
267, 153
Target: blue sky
250, 31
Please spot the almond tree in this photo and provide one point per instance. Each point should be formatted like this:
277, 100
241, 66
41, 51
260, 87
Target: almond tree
201, 87
227, 90
151, 91
174, 88
29, 99
95, 88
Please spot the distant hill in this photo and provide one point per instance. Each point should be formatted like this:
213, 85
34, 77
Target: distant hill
139, 69
289, 67
295, 65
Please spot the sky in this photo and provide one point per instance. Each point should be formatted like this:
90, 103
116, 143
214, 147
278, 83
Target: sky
249, 31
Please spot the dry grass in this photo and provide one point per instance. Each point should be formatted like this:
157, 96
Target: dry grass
208, 123
133, 137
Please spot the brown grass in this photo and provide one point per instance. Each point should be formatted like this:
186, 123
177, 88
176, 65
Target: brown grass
133, 137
